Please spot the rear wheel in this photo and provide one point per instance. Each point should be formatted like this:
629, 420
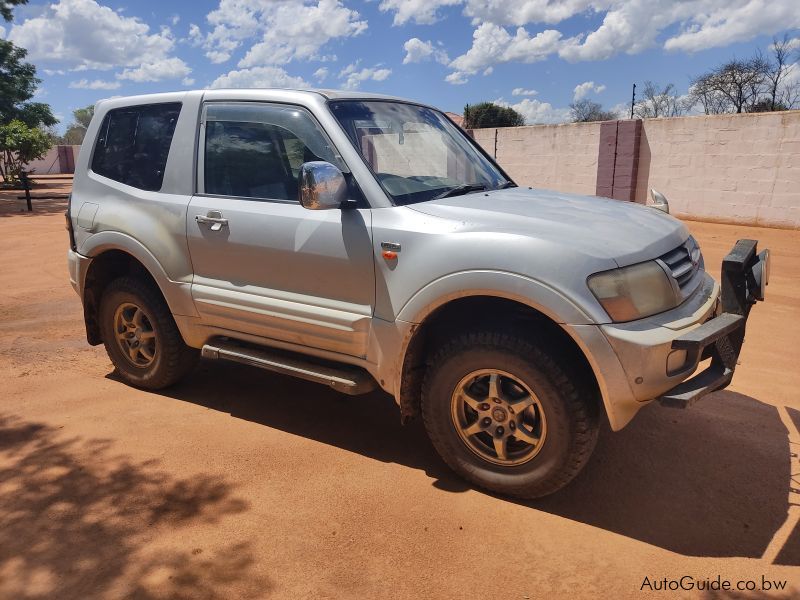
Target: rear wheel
141, 337
503, 414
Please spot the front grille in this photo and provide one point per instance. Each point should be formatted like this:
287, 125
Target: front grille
683, 262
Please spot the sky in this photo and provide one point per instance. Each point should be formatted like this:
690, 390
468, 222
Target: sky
535, 55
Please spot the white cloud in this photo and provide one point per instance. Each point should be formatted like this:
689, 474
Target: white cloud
723, 23
500, 12
521, 12
321, 74
523, 92
423, 12
97, 84
283, 30
635, 25
537, 112
419, 51
2, 32
187, 81
584, 89
259, 77
456, 78
195, 35
82, 34
167, 68
352, 76
629, 26
175, 19
492, 44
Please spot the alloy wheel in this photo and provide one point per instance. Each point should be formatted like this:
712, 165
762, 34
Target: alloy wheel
498, 417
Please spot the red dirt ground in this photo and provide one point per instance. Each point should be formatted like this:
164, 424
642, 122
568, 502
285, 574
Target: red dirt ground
243, 484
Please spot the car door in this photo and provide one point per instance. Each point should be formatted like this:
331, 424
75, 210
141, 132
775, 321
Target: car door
264, 265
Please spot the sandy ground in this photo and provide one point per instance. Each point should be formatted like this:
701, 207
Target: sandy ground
243, 484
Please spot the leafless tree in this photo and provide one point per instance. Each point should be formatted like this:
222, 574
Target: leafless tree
757, 84
659, 102
702, 92
735, 86
587, 110
791, 94
782, 94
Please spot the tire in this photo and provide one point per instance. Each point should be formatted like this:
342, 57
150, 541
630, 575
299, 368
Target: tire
161, 359
561, 415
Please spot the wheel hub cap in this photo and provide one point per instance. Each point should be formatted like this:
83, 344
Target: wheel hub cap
499, 415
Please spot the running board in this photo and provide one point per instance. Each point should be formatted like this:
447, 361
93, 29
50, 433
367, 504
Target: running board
347, 379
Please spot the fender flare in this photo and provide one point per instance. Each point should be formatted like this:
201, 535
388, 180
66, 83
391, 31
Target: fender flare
529, 292
499, 284
178, 294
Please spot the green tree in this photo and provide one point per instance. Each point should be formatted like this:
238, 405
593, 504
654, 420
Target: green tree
5, 7
76, 131
18, 83
767, 105
488, 114
20, 144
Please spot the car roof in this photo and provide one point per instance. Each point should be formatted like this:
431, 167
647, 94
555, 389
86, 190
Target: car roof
268, 94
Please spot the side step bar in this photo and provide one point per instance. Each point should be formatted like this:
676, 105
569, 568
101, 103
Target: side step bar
347, 379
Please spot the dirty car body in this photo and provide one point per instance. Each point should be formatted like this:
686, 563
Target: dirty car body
354, 240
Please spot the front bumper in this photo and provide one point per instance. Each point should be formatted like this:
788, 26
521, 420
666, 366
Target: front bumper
656, 357
745, 275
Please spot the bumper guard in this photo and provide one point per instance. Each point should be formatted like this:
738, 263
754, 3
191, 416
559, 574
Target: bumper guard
745, 274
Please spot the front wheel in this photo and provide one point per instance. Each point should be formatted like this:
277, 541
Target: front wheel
503, 414
141, 337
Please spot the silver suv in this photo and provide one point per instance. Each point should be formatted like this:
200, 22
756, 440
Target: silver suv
366, 242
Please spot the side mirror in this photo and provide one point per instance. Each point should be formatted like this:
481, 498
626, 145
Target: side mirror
321, 186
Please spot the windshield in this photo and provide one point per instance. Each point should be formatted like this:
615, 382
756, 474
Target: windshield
415, 152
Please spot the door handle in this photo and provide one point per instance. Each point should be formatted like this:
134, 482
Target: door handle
213, 218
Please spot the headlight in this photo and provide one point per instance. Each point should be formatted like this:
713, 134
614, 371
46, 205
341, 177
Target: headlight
633, 292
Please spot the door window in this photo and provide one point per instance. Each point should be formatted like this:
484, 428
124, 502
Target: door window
256, 151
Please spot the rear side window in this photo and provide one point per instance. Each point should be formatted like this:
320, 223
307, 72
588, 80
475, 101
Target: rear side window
134, 142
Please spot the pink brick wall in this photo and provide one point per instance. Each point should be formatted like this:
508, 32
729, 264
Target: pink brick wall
557, 157
55, 161
728, 168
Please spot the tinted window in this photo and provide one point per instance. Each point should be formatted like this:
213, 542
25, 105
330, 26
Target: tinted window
256, 151
133, 144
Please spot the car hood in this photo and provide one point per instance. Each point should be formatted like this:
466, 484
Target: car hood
624, 232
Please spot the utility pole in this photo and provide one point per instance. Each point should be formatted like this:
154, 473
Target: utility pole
633, 99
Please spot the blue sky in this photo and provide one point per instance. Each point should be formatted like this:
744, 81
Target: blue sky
444, 52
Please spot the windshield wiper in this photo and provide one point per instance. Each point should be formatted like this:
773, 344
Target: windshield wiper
460, 190
507, 184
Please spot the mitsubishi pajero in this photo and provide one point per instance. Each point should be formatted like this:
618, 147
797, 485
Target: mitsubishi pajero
366, 242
